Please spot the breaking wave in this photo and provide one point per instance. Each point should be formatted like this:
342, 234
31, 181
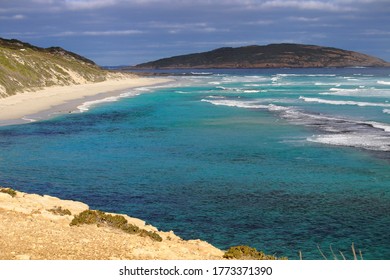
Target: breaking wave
343, 102
339, 131
383, 83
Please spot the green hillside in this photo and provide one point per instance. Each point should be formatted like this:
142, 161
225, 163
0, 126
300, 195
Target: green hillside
24, 66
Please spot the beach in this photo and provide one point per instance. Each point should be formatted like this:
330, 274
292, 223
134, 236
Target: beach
41, 103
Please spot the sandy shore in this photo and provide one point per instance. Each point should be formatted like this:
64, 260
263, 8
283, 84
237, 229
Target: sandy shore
23, 107
30, 230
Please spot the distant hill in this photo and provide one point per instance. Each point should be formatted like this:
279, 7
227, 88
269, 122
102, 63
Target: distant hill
270, 56
24, 66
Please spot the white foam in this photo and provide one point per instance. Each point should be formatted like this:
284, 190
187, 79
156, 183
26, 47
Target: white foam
244, 79
273, 107
215, 96
361, 91
145, 89
135, 92
29, 119
306, 75
383, 82
327, 84
369, 142
254, 85
344, 132
343, 102
251, 91
384, 127
202, 73
236, 103
86, 105
343, 89
386, 111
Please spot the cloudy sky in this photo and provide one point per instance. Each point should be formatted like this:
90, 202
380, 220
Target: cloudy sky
127, 32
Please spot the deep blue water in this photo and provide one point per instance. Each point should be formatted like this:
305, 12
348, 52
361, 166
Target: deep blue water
282, 160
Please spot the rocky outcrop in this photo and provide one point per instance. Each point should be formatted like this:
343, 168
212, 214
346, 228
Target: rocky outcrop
38, 227
270, 56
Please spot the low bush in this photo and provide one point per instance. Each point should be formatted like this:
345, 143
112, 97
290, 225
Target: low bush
116, 221
248, 253
9, 191
60, 211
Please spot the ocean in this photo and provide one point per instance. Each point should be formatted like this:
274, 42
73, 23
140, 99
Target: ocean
284, 160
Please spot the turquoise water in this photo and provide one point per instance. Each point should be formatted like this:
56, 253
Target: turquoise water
282, 160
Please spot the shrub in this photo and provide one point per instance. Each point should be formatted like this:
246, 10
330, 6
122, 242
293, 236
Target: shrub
248, 253
152, 235
60, 211
9, 191
116, 221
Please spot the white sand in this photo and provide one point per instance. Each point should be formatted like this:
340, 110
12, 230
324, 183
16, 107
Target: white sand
22, 105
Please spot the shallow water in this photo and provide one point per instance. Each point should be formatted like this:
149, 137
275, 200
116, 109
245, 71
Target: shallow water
281, 160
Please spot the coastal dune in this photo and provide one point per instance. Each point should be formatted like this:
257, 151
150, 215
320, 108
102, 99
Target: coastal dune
32, 229
61, 99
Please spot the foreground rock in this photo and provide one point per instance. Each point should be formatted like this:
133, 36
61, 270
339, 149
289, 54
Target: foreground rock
36, 227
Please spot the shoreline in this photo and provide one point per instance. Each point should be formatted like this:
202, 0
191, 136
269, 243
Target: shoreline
41, 104
36, 227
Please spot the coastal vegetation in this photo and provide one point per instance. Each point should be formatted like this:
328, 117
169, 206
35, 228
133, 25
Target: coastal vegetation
58, 210
244, 252
9, 191
26, 67
342, 255
100, 218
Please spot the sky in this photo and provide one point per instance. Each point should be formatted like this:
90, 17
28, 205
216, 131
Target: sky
128, 32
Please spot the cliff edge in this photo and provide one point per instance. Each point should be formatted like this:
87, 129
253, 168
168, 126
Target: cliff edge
39, 227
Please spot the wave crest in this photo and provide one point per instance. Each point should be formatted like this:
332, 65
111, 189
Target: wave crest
343, 102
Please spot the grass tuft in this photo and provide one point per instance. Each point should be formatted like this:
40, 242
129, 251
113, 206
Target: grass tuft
354, 254
100, 218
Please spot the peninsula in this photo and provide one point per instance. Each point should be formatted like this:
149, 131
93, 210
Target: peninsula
270, 56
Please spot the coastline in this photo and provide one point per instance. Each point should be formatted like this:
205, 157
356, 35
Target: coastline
32, 229
43, 103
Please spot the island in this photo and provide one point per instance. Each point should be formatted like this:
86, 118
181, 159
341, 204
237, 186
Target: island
270, 56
